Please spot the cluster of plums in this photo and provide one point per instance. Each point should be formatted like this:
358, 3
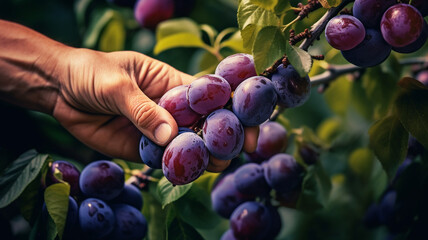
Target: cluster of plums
377, 27
244, 195
101, 205
212, 112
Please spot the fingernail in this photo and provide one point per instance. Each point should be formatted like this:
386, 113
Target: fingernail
163, 133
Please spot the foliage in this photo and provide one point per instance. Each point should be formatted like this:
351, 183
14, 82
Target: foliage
359, 123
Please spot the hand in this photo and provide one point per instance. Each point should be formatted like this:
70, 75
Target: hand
105, 97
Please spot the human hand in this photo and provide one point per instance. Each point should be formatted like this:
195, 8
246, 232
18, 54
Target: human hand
107, 100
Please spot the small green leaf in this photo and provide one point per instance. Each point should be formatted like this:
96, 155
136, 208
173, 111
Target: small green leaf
99, 20
316, 189
19, 175
175, 26
234, 42
266, 4
113, 36
330, 3
300, 59
388, 139
210, 31
180, 230
56, 198
412, 108
169, 193
268, 47
361, 162
178, 40
252, 14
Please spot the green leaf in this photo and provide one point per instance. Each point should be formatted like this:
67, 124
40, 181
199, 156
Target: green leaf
30, 201
180, 230
99, 20
412, 108
252, 14
300, 59
268, 47
169, 193
339, 89
175, 26
330, 3
267, 4
113, 36
316, 189
361, 162
249, 35
178, 40
56, 199
156, 217
19, 175
210, 31
234, 42
388, 139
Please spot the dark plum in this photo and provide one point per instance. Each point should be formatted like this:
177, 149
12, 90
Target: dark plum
421, 5
276, 223
151, 153
253, 157
228, 235
129, 224
185, 159
250, 180
223, 134
149, 13
250, 220
371, 217
175, 102
401, 25
208, 93
254, 100
130, 195
308, 153
70, 174
225, 197
102, 179
96, 218
236, 68
373, 50
184, 129
292, 89
344, 32
272, 139
283, 173
370, 12
416, 45
422, 77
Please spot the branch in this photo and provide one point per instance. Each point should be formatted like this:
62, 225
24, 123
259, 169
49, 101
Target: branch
319, 26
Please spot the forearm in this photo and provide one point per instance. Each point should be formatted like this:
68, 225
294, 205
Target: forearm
29, 64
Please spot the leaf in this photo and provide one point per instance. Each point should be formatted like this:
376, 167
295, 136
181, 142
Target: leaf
316, 189
156, 217
282, 6
388, 139
169, 193
266, 4
99, 20
251, 14
268, 47
178, 40
57, 199
19, 175
210, 31
330, 3
113, 36
361, 162
300, 59
30, 201
175, 26
180, 230
249, 35
412, 108
339, 89
234, 42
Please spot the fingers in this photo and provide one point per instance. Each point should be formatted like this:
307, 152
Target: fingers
153, 121
251, 135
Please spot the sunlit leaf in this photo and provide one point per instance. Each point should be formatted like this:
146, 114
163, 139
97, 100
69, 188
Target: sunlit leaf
300, 59
178, 40
57, 199
268, 47
169, 193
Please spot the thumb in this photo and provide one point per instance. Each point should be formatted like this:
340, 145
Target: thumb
151, 119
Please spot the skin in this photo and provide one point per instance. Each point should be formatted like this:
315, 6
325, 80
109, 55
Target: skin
106, 100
